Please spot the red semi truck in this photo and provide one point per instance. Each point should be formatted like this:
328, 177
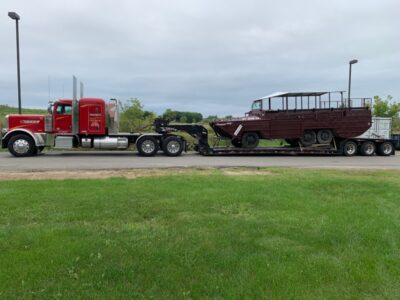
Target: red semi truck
87, 123
94, 124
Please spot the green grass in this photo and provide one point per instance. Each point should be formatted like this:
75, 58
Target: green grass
5, 110
293, 234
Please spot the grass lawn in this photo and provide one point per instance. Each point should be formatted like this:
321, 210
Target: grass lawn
5, 110
287, 234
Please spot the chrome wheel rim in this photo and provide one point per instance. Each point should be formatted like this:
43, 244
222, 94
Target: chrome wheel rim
173, 147
21, 146
148, 146
350, 149
387, 149
369, 149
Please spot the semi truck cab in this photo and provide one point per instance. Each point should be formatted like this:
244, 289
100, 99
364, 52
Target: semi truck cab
87, 123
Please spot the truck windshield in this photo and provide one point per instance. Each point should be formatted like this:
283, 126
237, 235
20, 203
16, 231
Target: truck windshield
257, 105
64, 109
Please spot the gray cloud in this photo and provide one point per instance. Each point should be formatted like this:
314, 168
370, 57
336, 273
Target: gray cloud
199, 55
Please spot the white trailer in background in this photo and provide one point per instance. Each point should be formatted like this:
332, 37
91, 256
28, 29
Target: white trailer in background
380, 129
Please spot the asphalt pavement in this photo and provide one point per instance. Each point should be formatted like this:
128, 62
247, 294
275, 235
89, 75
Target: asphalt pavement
101, 160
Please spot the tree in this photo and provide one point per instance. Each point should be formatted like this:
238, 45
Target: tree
182, 116
133, 118
385, 108
211, 118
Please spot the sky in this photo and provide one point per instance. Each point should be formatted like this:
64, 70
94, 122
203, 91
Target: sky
208, 56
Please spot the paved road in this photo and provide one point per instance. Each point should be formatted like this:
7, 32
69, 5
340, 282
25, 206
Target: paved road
128, 160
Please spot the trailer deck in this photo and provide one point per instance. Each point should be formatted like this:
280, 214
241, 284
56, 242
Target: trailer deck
348, 147
287, 150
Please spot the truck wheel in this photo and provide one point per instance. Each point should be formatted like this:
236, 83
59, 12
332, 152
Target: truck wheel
367, 148
385, 149
324, 136
147, 146
172, 146
250, 140
21, 145
309, 138
349, 148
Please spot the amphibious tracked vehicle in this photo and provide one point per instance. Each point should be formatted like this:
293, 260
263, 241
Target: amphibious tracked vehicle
303, 118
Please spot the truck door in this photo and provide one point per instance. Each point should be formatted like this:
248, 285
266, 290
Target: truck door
63, 118
96, 119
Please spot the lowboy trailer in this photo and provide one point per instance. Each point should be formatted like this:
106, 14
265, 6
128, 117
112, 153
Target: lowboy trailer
375, 141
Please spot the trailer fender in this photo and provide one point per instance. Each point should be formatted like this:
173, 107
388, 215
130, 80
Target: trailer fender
39, 138
155, 135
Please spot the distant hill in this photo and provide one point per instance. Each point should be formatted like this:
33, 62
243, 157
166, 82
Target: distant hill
5, 110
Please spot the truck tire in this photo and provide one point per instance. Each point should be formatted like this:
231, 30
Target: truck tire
385, 149
147, 146
367, 148
349, 148
309, 138
172, 146
21, 145
250, 140
324, 136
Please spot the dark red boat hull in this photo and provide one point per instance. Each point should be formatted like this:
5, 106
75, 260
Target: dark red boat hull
291, 124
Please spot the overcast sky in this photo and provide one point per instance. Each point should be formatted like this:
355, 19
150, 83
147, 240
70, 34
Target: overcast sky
198, 55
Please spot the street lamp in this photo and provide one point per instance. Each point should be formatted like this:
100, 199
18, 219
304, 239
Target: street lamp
352, 62
15, 16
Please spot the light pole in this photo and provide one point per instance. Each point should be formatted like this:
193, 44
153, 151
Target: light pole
15, 16
352, 62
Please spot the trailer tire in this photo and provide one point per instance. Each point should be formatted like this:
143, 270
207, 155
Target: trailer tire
172, 146
324, 136
309, 138
349, 148
367, 148
147, 146
385, 149
250, 140
21, 145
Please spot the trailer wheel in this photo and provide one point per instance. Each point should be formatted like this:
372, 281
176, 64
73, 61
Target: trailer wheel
21, 145
324, 136
250, 140
172, 146
385, 149
147, 146
309, 138
349, 148
367, 148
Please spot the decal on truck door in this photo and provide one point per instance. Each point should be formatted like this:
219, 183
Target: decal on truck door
95, 118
